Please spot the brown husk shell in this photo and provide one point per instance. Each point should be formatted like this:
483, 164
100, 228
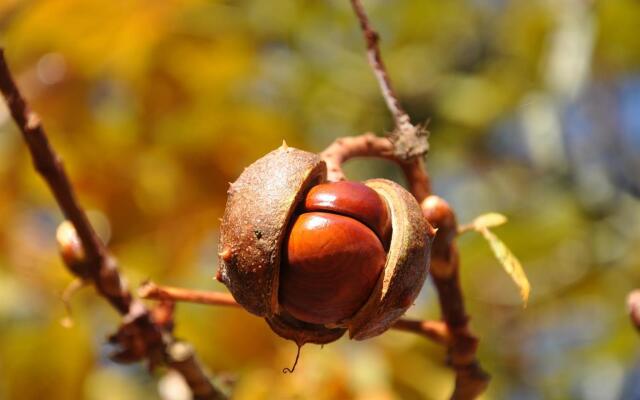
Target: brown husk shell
301, 332
407, 263
257, 215
259, 206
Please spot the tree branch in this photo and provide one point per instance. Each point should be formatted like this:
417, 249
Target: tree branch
50, 167
150, 290
434, 330
370, 145
407, 145
374, 56
139, 336
410, 141
471, 379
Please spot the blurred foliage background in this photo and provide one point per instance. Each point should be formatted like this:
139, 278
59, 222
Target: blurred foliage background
535, 113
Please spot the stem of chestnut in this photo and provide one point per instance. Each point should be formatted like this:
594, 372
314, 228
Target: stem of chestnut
295, 362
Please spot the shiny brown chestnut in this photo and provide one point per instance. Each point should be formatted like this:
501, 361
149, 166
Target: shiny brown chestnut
316, 259
332, 265
355, 200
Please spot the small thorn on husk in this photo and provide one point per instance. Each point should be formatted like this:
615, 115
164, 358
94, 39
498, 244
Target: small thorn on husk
293, 368
284, 146
226, 254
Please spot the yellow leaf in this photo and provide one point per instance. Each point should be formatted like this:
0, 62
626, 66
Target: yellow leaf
489, 220
509, 262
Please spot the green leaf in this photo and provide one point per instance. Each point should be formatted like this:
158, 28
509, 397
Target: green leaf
509, 262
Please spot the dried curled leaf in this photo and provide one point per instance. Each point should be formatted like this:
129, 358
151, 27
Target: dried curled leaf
508, 261
488, 220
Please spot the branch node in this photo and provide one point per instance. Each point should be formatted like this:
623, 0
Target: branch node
410, 141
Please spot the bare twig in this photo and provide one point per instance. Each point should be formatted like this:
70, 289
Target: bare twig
407, 145
370, 145
139, 336
49, 166
471, 379
375, 60
152, 291
410, 141
181, 357
434, 330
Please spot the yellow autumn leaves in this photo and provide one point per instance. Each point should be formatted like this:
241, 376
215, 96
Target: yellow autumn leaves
507, 259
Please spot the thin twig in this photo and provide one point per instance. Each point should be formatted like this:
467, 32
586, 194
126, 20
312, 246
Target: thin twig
471, 379
49, 165
409, 141
99, 266
370, 145
434, 330
372, 40
407, 145
152, 291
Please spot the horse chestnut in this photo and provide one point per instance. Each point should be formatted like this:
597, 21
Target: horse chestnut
318, 258
337, 240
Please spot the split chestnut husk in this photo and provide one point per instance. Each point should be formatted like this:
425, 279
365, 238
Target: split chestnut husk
260, 208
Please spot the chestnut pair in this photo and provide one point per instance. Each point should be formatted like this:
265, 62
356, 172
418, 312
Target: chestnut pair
318, 258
